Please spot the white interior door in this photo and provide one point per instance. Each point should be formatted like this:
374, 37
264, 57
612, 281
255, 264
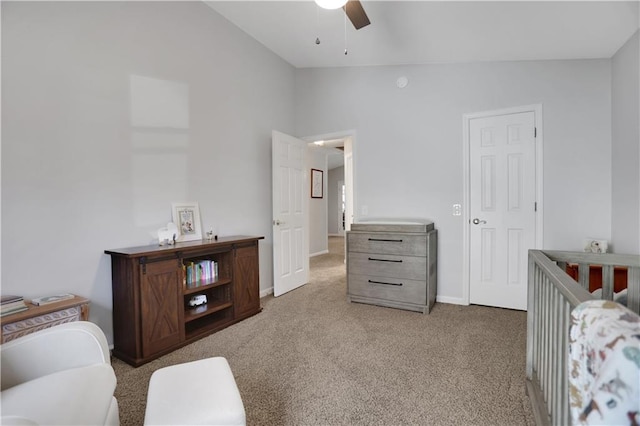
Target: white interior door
290, 184
341, 208
502, 187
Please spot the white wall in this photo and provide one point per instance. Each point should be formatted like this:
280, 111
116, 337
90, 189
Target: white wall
335, 175
625, 112
111, 111
409, 158
318, 243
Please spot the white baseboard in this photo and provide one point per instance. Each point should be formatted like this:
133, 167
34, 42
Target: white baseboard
336, 235
319, 253
439, 299
451, 300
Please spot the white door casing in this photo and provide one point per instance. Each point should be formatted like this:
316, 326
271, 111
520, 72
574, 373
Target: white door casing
341, 205
290, 184
349, 190
503, 220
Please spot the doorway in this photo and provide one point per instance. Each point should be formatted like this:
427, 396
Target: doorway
338, 210
291, 245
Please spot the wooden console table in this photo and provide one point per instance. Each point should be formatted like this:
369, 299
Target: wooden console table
37, 318
153, 313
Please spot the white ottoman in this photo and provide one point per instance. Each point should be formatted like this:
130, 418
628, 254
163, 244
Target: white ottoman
201, 392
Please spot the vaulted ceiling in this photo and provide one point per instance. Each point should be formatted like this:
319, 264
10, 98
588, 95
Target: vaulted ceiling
422, 32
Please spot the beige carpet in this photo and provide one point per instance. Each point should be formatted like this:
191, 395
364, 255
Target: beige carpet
312, 358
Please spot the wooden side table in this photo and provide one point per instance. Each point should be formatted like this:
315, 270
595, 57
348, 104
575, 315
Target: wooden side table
36, 318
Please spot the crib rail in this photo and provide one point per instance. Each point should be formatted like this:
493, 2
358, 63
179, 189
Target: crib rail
608, 262
552, 296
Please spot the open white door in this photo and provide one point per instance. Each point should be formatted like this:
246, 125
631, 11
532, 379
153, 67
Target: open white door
290, 222
502, 177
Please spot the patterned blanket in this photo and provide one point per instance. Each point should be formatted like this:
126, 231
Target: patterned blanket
604, 364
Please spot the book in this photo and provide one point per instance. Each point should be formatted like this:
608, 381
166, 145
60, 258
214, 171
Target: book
198, 275
10, 299
13, 311
10, 306
39, 301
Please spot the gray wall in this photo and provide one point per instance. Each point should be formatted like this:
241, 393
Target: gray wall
318, 243
409, 157
625, 112
335, 175
111, 111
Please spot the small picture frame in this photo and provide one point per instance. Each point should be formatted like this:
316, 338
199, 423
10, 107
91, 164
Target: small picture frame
317, 184
186, 216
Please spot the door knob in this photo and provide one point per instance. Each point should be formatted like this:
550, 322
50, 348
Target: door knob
277, 222
477, 221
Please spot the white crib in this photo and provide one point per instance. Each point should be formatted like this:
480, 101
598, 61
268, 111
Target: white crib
552, 296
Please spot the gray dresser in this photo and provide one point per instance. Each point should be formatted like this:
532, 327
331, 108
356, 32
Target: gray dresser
392, 264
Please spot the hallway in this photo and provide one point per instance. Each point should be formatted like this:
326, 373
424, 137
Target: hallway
333, 259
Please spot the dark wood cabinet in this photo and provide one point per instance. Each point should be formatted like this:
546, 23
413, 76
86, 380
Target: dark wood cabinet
246, 297
160, 306
154, 299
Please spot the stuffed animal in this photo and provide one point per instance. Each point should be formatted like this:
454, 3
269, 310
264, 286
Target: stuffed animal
595, 246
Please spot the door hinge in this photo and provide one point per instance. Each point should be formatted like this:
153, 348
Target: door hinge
535, 206
535, 132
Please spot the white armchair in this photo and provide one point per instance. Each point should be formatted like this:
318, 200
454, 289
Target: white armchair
58, 376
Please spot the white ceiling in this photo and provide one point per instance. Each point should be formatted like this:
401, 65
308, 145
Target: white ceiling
422, 32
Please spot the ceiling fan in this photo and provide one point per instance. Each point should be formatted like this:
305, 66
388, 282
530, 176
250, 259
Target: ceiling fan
353, 8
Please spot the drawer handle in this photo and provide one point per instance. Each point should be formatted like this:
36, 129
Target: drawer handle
385, 260
382, 282
388, 241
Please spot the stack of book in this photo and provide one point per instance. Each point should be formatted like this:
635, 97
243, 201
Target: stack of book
11, 305
200, 273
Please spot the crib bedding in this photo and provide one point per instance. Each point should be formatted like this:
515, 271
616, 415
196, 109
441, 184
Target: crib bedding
604, 364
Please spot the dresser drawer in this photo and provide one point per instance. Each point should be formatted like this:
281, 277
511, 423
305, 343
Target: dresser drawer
362, 242
399, 290
387, 265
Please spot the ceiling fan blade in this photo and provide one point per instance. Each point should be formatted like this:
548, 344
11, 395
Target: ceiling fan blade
356, 14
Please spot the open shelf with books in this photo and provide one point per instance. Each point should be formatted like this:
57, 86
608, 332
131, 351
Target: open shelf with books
192, 289
203, 270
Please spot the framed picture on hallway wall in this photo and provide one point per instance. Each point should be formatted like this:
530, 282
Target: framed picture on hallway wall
186, 216
317, 184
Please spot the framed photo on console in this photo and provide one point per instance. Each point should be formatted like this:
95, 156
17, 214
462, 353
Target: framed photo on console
186, 216
317, 184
